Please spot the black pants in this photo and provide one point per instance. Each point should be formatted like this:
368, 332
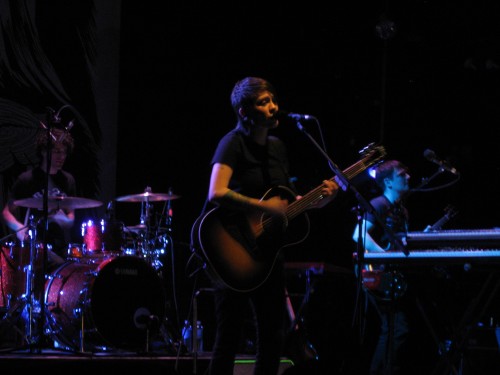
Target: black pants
393, 336
267, 304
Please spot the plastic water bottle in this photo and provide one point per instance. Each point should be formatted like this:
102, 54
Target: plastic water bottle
199, 336
187, 335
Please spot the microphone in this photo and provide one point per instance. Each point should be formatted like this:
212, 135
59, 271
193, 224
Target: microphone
300, 117
432, 157
66, 131
294, 116
297, 117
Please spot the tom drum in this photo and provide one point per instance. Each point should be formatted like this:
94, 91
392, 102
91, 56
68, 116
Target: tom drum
14, 260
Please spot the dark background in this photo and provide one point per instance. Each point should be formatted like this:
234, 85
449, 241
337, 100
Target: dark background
410, 76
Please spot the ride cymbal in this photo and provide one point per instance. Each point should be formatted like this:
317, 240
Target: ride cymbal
57, 202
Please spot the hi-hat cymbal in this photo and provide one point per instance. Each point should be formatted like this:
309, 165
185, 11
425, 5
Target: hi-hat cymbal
57, 202
147, 197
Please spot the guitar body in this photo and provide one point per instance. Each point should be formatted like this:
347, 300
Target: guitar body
384, 285
241, 248
390, 285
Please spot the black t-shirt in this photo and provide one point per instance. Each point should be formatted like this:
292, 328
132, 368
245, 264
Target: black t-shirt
394, 216
259, 171
256, 168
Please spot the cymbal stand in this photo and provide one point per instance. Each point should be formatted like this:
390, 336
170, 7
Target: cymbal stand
146, 207
33, 305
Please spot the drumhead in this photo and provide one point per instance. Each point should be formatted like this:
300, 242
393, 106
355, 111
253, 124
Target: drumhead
127, 299
120, 302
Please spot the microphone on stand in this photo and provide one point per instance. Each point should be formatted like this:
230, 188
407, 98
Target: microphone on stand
297, 117
294, 116
432, 157
55, 118
66, 131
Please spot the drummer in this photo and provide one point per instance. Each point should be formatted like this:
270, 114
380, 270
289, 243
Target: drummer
32, 184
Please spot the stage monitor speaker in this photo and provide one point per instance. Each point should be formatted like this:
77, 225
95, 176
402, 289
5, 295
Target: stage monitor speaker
246, 366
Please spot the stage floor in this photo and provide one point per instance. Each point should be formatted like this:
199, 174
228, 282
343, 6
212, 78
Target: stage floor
55, 362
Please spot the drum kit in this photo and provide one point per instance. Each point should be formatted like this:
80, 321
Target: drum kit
108, 294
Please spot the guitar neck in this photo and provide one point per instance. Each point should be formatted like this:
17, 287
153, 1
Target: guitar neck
315, 195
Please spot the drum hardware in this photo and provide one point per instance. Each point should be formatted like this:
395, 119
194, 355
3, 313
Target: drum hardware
150, 240
151, 234
27, 305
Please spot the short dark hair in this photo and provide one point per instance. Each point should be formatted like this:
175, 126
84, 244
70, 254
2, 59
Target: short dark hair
246, 91
386, 169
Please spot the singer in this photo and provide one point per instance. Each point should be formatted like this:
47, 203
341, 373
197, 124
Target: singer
247, 162
31, 184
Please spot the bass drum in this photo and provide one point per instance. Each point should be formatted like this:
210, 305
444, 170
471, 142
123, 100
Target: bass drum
116, 304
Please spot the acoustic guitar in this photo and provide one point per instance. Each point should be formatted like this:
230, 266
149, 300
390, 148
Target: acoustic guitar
240, 249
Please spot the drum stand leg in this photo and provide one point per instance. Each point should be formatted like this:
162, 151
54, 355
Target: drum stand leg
82, 334
33, 296
12, 317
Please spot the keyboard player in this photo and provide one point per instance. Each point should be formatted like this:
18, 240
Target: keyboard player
390, 214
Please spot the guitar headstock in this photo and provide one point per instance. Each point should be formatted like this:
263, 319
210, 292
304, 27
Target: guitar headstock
373, 152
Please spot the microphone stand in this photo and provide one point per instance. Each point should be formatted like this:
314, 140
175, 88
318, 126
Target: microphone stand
425, 181
344, 183
41, 278
38, 284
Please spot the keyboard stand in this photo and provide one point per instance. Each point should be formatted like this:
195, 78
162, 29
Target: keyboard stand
472, 316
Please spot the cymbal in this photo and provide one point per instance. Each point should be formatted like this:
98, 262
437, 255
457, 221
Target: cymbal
137, 228
143, 228
57, 201
147, 197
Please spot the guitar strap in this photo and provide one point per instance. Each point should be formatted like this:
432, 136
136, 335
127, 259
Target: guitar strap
265, 166
282, 164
